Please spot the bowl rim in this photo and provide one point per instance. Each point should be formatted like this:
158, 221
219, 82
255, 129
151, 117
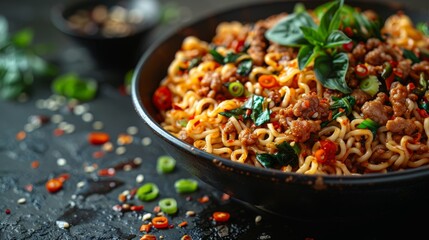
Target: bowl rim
58, 20
156, 128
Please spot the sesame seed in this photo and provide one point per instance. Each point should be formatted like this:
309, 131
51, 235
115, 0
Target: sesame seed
132, 130
108, 147
21, 201
258, 219
63, 224
138, 160
80, 184
146, 141
140, 178
190, 213
87, 117
120, 150
57, 118
147, 216
98, 125
61, 162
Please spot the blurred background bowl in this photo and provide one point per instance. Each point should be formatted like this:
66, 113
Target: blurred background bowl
112, 31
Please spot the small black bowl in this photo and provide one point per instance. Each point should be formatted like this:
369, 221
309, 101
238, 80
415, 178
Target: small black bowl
308, 198
112, 31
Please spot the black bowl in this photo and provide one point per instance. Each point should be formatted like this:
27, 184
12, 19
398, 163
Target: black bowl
290, 195
115, 47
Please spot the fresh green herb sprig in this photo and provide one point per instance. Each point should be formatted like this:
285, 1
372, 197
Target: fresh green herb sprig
317, 43
286, 155
20, 65
71, 85
255, 108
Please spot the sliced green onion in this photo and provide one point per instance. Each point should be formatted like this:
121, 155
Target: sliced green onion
236, 89
369, 124
147, 192
370, 85
165, 164
186, 185
387, 70
168, 205
423, 85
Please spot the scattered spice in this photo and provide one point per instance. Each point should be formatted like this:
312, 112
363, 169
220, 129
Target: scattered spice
221, 216
183, 224
35, 164
21, 135
7, 211
54, 185
148, 237
190, 213
124, 139
98, 138
137, 208
160, 222
145, 227
203, 199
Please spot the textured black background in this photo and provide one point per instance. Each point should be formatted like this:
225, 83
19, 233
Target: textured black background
95, 218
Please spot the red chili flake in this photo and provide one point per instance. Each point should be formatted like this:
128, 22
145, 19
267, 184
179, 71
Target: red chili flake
157, 209
188, 198
122, 198
225, 197
133, 192
20, 135
54, 185
98, 154
58, 132
39, 119
137, 208
183, 224
29, 187
124, 139
186, 237
177, 107
35, 164
106, 172
145, 227
7, 211
98, 138
203, 199
148, 237
63, 177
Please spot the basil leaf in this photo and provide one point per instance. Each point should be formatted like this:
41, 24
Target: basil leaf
331, 71
263, 117
305, 56
286, 155
330, 20
244, 67
231, 57
258, 115
312, 36
345, 104
321, 9
216, 56
336, 38
288, 30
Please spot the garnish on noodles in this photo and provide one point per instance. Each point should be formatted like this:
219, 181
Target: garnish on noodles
331, 90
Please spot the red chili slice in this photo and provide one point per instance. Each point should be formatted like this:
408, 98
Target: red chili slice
162, 98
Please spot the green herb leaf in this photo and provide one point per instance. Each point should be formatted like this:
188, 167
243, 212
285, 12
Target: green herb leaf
244, 67
286, 155
369, 124
72, 86
330, 20
423, 28
313, 36
331, 71
23, 38
288, 30
336, 38
259, 113
342, 106
216, 56
410, 55
305, 56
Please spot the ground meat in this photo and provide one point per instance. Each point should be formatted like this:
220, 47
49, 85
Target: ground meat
360, 96
229, 127
311, 107
257, 43
383, 53
275, 96
422, 66
376, 110
405, 67
301, 129
402, 126
287, 53
359, 51
398, 99
210, 82
372, 43
247, 138
185, 137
